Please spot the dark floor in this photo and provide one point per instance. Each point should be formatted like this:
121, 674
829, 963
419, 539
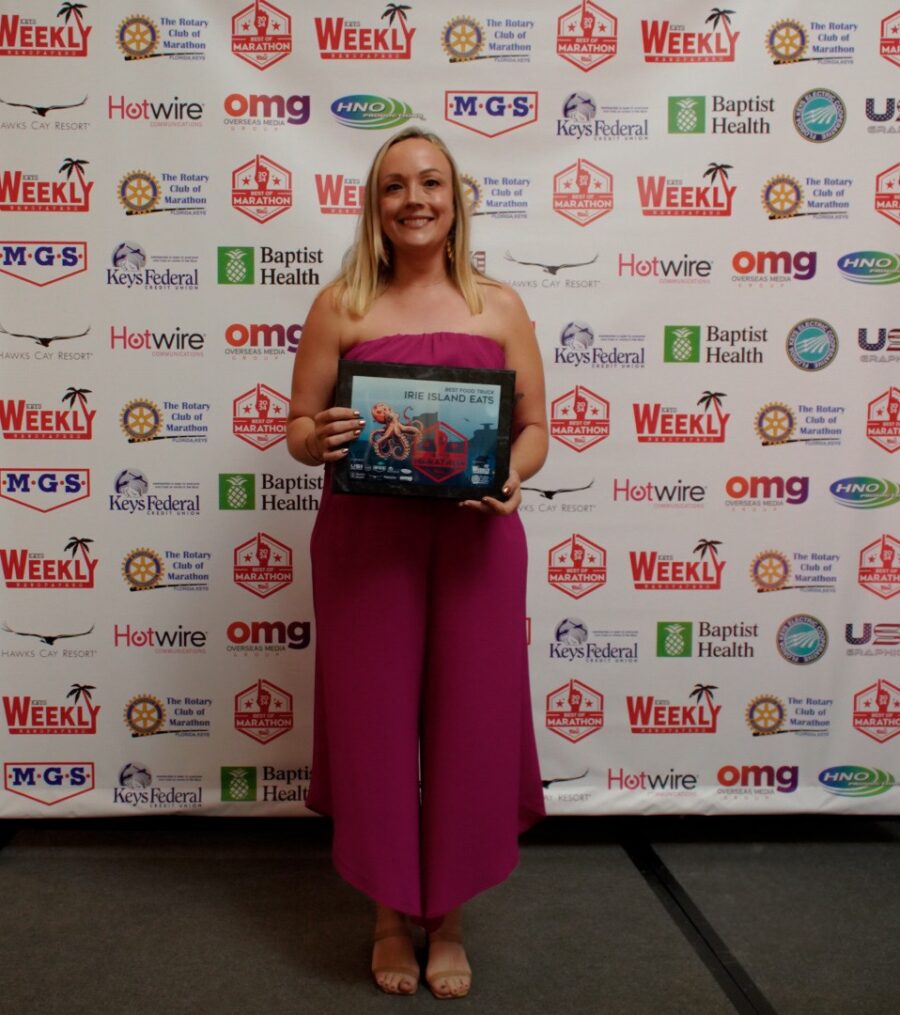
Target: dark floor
632, 916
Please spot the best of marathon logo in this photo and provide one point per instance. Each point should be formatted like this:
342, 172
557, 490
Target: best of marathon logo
890, 38
574, 711
45, 489
261, 34
656, 423
263, 711
879, 567
25, 37
259, 417
341, 39
33, 716
48, 782
261, 189
662, 196
876, 711
664, 42
42, 262
576, 566
21, 191
887, 193
587, 35
263, 565
583, 192
653, 571
579, 418
491, 113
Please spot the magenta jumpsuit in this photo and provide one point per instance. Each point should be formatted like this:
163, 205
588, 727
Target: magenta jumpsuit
421, 643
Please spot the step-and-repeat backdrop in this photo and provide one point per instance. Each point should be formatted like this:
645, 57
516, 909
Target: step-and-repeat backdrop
699, 206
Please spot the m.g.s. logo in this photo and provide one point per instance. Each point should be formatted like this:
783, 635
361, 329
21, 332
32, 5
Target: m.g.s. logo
491, 113
42, 262
48, 782
45, 489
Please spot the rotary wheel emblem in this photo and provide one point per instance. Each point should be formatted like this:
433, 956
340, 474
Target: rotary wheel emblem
775, 423
787, 41
144, 715
471, 192
462, 39
137, 37
139, 192
141, 420
143, 569
770, 571
765, 715
782, 197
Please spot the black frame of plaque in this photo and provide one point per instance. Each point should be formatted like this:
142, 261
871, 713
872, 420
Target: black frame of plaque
418, 485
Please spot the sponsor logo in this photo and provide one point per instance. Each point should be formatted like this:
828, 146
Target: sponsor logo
47, 641
176, 341
887, 193
129, 269
766, 491
263, 711
886, 342
140, 38
27, 569
505, 40
648, 714
141, 192
172, 113
865, 492
682, 343
879, 567
574, 711
870, 267
790, 41
42, 262
261, 34
339, 195
23, 420
246, 784
177, 639
236, 266
579, 418
587, 35
339, 39
876, 711
811, 344
491, 113
889, 45
263, 565
142, 421
583, 118
662, 196
132, 495
773, 267
238, 784
45, 489
770, 571
268, 635
26, 37
259, 417
550, 269
856, 781
261, 189
148, 716
767, 715
783, 196
576, 566
26, 192
372, 112
654, 571
42, 123
139, 788
576, 348
265, 110
891, 113
572, 641
686, 269
502, 196
675, 639
879, 639
687, 114
669, 783
291, 493
801, 639
664, 42
777, 423
656, 423
144, 569
48, 782
819, 115
237, 491
29, 716
582, 192
550, 495
245, 341
757, 780
667, 495
43, 350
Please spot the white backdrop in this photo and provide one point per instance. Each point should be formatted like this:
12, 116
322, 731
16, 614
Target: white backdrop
699, 207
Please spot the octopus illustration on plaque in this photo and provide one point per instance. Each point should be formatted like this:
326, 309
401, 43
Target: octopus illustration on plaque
393, 440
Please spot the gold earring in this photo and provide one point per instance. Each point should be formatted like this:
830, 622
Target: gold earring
449, 249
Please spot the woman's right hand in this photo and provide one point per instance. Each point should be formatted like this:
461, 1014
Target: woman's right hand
333, 429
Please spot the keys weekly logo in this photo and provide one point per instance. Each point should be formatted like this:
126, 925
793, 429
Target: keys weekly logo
648, 714
31, 716
26, 569
24, 420
653, 571
21, 191
25, 37
662, 196
665, 43
339, 195
339, 39
656, 423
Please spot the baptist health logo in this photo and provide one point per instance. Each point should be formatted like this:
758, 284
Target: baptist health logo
674, 639
238, 784
681, 343
687, 114
236, 265
237, 491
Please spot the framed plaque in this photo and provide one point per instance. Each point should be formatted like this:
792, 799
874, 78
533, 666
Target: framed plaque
430, 431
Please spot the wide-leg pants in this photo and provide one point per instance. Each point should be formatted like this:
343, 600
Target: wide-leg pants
424, 751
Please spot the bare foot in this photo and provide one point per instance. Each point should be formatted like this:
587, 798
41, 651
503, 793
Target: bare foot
394, 964
448, 973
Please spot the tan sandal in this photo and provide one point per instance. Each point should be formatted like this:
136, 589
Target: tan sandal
465, 974
411, 972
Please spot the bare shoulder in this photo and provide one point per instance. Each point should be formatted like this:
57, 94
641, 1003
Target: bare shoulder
501, 299
505, 314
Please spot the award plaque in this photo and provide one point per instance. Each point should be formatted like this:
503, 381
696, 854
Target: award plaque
430, 431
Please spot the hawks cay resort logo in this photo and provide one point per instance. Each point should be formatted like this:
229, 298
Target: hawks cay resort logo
499, 197
666, 42
684, 343
21, 419
773, 267
253, 111
47, 640
889, 46
562, 499
574, 641
20, 191
48, 782
587, 35
883, 112
552, 269
145, 569
873, 638
869, 267
172, 37
654, 571
178, 341
582, 118
720, 114
248, 341
579, 418
133, 493
372, 112
23, 568
655, 423
45, 489
174, 112
347, 39
238, 265
42, 262
574, 711
774, 570
580, 345
141, 192
778, 423
259, 417
887, 193
660, 195
826, 197
582, 192
883, 420
767, 715
261, 189
38, 120
682, 639
143, 420
43, 349
790, 41
576, 566
27, 36
133, 268
491, 113
27, 716
503, 40
648, 714
140, 789
819, 115
261, 34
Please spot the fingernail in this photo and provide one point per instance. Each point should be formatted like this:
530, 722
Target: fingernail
506, 490
355, 412
345, 451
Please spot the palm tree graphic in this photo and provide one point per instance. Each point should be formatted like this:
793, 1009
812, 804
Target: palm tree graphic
69, 164
79, 690
72, 393
716, 15
704, 691
715, 170
77, 543
705, 546
714, 399
67, 10
393, 11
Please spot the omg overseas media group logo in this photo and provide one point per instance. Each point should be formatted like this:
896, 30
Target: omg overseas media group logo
172, 37
502, 40
243, 111
27, 36
344, 39
773, 267
261, 34
765, 492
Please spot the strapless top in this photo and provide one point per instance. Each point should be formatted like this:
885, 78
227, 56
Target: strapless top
433, 348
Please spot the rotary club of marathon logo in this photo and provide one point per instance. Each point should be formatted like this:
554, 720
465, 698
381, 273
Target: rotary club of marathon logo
586, 35
574, 711
579, 418
259, 417
583, 192
876, 711
771, 571
263, 711
883, 420
263, 565
25, 37
261, 189
576, 566
147, 716
790, 41
142, 420
261, 34
506, 40
140, 192
144, 569
879, 567
141, 38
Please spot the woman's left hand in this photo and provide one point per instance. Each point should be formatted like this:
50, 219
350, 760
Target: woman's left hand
490, 505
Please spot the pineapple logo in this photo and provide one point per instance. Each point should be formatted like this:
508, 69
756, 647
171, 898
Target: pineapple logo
687, 114
237, 491
681, 343
238, 785
236, 265
674, 638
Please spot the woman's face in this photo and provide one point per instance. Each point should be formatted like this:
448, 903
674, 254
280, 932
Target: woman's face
415, 195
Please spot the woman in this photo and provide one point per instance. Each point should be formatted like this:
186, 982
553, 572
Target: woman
424, 751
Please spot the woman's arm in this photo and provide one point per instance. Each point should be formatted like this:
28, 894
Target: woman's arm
316, 430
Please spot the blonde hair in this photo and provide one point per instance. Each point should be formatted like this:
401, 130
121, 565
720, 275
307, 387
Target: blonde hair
367, 267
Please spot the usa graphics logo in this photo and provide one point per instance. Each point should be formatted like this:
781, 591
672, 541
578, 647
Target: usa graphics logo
587, 35
576, 566
654, 571
343, 39
45, 489
48, 782
20, 191
664, 42
25, 37
658, 424
261, 34
42, 262
491, 113
27, 569
259, 417
881, 638
661, 196
263, 565
579, 418
261, 189
574, 711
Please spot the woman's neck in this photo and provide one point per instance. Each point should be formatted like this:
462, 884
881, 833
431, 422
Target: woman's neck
419, 272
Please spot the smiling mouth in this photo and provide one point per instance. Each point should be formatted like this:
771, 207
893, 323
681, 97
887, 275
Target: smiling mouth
415, 221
